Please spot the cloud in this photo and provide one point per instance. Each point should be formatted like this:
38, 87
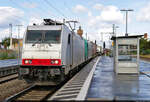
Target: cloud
98, 6
108, 15
4, 33
143, 14
106, 18
80, 9
111, 15
10, 15
29, 5
102, 21
90, 14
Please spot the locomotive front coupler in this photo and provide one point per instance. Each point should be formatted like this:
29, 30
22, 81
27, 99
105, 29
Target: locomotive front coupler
43, 73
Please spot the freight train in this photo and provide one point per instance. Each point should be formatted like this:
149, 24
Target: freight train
51, 52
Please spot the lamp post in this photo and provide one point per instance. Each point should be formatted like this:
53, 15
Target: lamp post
10, 31
114, 29
126, 10
19, 42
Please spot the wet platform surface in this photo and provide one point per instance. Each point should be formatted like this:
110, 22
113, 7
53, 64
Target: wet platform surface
106, 85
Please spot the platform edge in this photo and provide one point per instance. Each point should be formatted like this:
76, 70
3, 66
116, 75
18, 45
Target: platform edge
86, 85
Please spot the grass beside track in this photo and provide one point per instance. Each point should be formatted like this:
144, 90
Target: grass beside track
8, 54
145, 57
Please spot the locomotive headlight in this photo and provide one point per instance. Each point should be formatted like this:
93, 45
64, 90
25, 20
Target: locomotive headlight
26, 61
30, 61
52, 62
56, 61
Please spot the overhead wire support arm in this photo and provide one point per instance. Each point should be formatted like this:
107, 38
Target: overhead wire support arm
71, 21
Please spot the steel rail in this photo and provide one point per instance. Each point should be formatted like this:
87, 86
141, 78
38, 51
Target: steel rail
4, 80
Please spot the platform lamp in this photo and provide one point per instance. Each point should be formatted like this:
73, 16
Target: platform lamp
126, 10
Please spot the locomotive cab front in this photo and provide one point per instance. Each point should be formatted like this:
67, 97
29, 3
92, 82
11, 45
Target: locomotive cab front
41, 53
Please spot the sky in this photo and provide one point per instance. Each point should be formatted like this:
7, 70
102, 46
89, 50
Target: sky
94, 16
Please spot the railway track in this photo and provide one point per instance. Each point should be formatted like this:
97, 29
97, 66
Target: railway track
37, 93
33, 93
8, 78
5, 71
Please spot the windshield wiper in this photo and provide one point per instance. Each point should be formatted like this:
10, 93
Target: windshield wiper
49, 44
36, 42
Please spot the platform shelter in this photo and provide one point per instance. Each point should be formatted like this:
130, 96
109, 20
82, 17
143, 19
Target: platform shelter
126, 54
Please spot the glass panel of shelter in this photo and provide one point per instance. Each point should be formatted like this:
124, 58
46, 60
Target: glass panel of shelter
127, 53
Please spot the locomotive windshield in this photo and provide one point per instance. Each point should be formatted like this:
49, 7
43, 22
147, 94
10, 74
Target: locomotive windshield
43, 36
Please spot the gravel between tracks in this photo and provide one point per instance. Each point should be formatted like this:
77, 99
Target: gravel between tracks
10, 88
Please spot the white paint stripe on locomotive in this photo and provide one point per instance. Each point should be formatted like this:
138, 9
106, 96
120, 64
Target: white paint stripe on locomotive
43, 27
86, 85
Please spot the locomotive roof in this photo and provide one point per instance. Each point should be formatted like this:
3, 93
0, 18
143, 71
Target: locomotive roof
45, 27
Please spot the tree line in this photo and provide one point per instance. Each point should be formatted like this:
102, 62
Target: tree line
144, 46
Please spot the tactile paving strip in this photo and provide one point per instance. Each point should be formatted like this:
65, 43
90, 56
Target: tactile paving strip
71, 89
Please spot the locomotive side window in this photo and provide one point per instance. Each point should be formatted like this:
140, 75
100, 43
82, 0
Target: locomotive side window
69, 39
33, 36
52, 36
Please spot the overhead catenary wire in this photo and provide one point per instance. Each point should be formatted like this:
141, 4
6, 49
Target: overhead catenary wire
21, 8
47, 6
32, 14
40, 8
48, 3
44, 9
68, 8
16, 4
24, 8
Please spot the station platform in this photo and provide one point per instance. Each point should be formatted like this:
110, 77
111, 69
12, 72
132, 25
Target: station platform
77, 87
106, 85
